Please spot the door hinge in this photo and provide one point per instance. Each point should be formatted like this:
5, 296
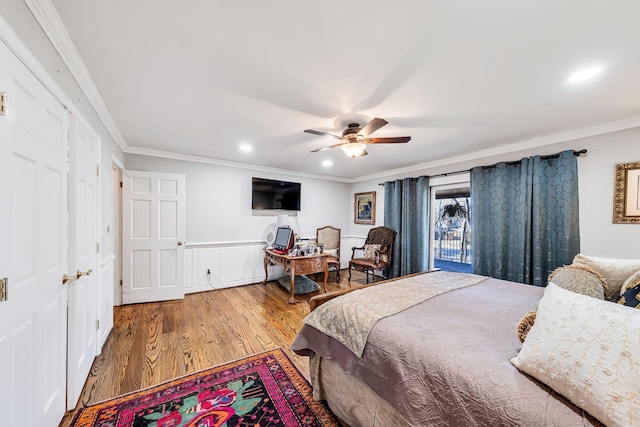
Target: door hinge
3, 288
3, 103
97, 325
120, 282
97, 170
98, 247
120, 184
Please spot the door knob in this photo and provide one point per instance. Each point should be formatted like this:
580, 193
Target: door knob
83, 273
180, 243
67, 279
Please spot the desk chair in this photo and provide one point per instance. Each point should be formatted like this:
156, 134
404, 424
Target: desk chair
329, 237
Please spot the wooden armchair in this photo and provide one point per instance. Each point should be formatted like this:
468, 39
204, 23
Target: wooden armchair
329, 237
376, 252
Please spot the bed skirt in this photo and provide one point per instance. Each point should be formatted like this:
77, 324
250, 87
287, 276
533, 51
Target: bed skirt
349, 397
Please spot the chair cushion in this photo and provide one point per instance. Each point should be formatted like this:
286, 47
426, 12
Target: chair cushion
367, 263
370, 251
333, 261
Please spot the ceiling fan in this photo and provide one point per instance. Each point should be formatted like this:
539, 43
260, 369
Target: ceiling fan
355, 140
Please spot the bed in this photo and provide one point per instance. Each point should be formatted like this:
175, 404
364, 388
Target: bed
444, 361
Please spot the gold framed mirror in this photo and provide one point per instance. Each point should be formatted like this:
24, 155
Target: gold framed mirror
626, 197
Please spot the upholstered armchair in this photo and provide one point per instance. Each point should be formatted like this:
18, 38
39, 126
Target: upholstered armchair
329, 238
375, 254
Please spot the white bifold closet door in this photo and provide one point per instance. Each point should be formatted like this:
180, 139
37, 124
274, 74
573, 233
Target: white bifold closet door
33, 249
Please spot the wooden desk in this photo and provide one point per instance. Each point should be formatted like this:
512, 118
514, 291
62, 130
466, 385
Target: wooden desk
296, 265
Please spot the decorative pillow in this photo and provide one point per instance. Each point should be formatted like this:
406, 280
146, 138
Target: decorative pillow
525, 325
575, 278
614, 270
631, 298
582, 280
587, 350
631, 282
332, 252
370, 251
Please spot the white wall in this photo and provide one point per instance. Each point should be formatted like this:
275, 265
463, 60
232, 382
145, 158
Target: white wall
22, 22
225, 235
596, 174
218, 201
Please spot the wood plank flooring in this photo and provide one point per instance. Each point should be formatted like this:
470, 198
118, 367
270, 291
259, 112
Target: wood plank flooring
155, 342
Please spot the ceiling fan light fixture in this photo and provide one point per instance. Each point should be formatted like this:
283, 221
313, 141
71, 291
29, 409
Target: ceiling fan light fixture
354, 149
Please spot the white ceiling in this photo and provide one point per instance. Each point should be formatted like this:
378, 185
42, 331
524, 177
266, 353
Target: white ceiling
201, 77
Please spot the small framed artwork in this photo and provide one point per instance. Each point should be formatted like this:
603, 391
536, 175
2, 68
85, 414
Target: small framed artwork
364, 208
626, 198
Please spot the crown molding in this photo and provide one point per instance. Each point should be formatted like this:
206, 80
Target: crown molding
228, 163
15, 45
548, 140
45, 13
47, 16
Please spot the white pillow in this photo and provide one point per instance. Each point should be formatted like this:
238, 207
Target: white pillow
588, 350
614, 270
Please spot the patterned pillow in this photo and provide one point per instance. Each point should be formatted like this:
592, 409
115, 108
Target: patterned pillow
575, 278
586, 349
370, 251
631, 298
631, 282
614, 270
525, 325
582, 280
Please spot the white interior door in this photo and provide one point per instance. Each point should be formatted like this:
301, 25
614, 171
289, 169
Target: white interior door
33, 248
153, 236
83, 257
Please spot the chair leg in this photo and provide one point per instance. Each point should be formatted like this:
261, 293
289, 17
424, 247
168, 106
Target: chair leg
367, 273
349, 273
338, 274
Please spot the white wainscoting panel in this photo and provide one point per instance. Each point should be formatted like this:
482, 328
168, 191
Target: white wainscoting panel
238, 263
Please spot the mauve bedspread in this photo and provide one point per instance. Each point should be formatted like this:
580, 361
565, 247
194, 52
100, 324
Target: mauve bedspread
445, 361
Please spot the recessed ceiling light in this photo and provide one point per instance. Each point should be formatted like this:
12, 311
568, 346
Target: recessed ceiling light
327, 163
246, 148
586, 74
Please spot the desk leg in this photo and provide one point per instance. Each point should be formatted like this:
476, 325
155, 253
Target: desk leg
266, 271
292, 300
326, 276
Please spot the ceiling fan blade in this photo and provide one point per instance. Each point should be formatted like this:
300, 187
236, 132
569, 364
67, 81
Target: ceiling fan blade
372, 126
317, 132
392, 140
327, 148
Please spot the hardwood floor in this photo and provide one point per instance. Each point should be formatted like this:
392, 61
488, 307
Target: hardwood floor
155, 342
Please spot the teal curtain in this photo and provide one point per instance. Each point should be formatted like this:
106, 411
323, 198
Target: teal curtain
406, 210
524, 217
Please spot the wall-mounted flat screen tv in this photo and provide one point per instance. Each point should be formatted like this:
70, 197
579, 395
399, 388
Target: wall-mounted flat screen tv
274, 194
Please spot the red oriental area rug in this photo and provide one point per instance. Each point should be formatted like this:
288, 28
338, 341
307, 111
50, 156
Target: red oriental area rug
261, 390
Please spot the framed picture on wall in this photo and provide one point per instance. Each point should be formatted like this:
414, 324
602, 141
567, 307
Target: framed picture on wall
626, 198
364, 208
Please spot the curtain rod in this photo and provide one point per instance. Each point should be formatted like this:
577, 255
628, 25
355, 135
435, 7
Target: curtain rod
576, 153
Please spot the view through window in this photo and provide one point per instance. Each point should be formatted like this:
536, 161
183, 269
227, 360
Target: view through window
452, 231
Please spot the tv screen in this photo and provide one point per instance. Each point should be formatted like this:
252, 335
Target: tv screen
273, 194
